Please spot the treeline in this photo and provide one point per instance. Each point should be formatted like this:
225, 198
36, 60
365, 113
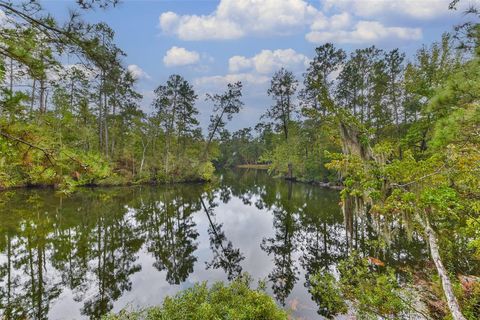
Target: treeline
81, 123
382, 91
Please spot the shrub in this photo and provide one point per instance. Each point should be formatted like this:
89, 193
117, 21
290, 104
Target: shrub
234, 301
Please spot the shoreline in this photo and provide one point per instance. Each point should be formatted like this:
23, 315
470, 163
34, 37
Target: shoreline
326, 185
253, 166
99, 185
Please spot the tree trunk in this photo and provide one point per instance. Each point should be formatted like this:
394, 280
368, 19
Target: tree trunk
72, 89
212, 134
105, 125
32, 102
290, 171
442, 272
145, 146
100, 123
42, 95
11, 76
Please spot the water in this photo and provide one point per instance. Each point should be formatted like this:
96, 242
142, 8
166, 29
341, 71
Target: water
102, 250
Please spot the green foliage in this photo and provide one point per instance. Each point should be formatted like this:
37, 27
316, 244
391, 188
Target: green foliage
81, 124
304, 150
233, 301
430, 175
374, 291
327, 294
206, 171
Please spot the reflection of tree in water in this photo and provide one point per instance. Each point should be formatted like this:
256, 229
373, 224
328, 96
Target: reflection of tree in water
321, 231
282, 246
244, 184
86, 241
114, 242
225, 256
171, 233
26, 291
10, 300
384, 237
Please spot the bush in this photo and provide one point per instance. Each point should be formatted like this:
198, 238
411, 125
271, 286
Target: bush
235, 301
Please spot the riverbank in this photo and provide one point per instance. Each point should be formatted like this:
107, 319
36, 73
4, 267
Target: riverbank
326, 185
104, 184
254, 166
321, 184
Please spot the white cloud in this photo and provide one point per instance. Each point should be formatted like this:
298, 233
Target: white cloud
176, 56
137, 72
342, 21
335, 22
423, 9
233, 19
268, 61
192, 27
237, 63
365, 32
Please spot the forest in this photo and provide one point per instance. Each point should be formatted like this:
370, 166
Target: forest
398, 136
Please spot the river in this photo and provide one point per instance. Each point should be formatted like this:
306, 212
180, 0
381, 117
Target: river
104, 249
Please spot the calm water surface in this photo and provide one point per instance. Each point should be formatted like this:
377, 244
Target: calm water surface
102, 250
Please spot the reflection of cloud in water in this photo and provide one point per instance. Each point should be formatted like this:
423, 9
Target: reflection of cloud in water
151, 228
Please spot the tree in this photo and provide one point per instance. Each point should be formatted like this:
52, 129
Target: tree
358, 87
394, 69
318, 80
429, 185
175, 106
225, 105
282, 89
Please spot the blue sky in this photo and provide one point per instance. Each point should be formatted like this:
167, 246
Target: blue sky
213, 42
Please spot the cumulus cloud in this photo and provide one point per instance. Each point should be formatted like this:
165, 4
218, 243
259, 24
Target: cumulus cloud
364, 32
255, 73
335, 22
176, 56
137, 72
237, 63
349, 20
268, 61
424, 9
234, 19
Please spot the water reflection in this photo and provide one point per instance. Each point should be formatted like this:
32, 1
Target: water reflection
102, 249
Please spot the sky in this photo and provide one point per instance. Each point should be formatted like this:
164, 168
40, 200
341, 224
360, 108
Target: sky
211, 43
